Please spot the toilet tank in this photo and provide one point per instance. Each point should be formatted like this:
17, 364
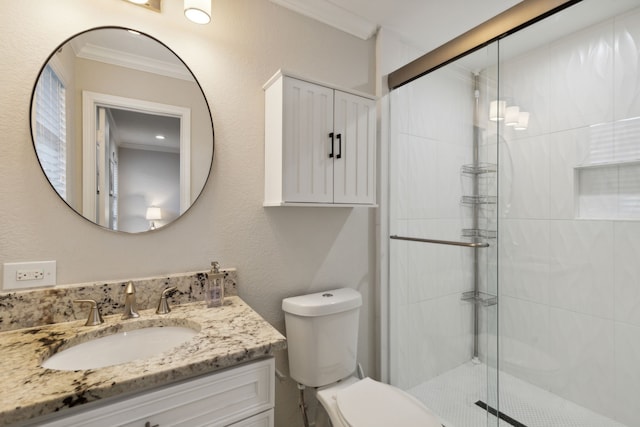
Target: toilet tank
322, 335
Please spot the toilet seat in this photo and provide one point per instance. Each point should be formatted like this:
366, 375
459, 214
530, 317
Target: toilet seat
369, 403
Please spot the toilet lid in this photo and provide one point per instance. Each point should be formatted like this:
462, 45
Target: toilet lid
369, 403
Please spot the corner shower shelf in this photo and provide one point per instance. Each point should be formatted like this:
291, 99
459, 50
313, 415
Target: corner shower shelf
480, 298
479, 233
479, 169
479, 200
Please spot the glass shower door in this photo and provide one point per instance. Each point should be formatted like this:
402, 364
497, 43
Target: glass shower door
443, 251
570, 218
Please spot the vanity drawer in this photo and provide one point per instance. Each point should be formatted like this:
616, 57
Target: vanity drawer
265, 419
219, 399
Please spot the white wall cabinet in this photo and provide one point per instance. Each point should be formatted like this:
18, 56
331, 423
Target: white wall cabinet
320, 145
238, 397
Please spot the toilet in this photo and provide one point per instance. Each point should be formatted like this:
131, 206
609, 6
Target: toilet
322, 339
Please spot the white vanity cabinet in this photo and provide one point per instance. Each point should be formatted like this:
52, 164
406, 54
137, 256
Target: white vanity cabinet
320, 144
238, 397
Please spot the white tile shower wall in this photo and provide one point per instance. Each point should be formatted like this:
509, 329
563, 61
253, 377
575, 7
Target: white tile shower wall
566, 148
627, 273
528, 90
437, 271
430, 326
526, 193
444, 98
627, 69
437, 338
629, 190
422, 178
524, 341
525, 261
583, 345
581, 267
583, 60
614, 191
569, 286
627, 374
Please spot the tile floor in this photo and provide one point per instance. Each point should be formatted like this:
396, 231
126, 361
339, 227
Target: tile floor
453, 394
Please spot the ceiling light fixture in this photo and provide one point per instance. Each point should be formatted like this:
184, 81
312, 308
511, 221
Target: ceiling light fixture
198, 11
147, 4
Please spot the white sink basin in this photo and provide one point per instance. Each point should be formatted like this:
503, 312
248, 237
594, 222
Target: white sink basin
119, 348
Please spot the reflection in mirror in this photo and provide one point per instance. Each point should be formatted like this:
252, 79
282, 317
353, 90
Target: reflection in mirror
122, 129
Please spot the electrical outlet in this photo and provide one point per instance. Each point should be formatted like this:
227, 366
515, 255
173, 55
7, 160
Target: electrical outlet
37, 274
20, 275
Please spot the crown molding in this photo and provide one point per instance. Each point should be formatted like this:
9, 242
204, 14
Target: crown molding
125, 59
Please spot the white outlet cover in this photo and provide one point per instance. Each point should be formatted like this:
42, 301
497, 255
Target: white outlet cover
10, 274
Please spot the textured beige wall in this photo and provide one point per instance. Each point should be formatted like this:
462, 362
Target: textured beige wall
278, 251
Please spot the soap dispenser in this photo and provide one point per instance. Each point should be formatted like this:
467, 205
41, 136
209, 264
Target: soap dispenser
214, 295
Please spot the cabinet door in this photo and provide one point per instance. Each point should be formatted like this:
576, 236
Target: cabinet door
214, 400
355, 161
307, 123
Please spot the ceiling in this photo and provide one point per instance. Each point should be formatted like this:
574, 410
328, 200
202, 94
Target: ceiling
138, 130
426, 24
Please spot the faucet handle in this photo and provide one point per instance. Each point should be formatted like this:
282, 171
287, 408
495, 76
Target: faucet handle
130, 306
163, 304
94, 318
130, 289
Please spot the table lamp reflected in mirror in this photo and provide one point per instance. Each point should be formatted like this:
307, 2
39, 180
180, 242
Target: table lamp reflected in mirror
153, 214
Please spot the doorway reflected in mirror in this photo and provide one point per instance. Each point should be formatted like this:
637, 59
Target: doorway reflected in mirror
119, 124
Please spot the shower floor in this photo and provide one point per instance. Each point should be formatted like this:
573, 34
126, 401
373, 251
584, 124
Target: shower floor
453, 395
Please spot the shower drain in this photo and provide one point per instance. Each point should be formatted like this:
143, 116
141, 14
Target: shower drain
502, 416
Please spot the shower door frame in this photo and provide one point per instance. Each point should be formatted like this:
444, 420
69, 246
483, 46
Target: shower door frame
522, 15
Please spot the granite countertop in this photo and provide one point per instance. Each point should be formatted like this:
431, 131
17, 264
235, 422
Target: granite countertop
228, 336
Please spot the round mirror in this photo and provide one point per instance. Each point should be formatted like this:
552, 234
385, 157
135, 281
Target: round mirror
122, 129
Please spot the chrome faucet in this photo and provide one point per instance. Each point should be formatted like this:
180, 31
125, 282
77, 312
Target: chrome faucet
130, 302
94, 317
163, 304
